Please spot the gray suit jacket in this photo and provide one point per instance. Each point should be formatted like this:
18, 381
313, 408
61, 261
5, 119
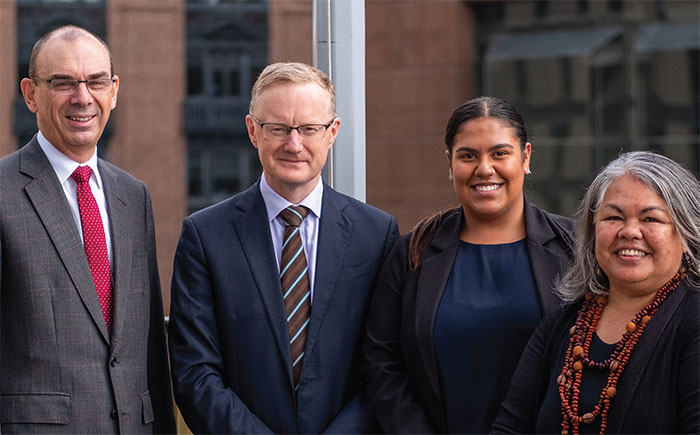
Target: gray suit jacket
60, 372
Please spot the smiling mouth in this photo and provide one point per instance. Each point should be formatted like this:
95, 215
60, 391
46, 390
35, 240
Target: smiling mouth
631, 253
80, 118
487, 187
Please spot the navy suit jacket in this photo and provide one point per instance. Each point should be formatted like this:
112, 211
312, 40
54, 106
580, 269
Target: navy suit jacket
228, 334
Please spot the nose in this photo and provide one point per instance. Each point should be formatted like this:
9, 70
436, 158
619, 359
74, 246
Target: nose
630, 230
293, 143
484, 167
81, 95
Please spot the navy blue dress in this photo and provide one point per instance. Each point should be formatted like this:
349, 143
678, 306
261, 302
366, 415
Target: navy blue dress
488, 310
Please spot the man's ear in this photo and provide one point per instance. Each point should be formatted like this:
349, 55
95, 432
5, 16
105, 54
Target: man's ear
251, 126
28, 89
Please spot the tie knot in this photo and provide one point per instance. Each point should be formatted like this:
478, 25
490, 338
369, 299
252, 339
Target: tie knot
294, 214
81, 174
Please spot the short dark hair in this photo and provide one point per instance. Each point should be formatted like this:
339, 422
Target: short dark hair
68, 33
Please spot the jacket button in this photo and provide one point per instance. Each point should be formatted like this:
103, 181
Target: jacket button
114, 415
113, 362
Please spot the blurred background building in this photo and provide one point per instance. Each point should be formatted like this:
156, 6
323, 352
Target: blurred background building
591, 78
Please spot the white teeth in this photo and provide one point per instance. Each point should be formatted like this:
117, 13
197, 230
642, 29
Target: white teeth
488, 188
631, 252
80, 119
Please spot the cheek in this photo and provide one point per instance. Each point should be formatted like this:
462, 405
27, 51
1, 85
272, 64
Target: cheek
603, 238
669, 244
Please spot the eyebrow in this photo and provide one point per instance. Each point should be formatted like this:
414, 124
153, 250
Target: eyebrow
91, 76
491, 148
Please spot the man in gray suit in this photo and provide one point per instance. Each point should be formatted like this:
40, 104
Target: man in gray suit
82, 339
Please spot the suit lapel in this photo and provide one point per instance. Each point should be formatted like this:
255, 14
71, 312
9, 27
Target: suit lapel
49, 200
254, 233
121, 248
435, 269
333, 238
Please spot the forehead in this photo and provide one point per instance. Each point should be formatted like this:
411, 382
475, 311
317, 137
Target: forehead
81, 56
487, 126
631, 191
294, 99
485, 132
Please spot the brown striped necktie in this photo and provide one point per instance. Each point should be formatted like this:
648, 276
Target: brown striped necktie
296, 289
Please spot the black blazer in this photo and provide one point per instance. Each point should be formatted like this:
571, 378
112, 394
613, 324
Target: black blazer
658, 392
400, 368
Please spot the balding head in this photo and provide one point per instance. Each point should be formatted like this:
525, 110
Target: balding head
68, 33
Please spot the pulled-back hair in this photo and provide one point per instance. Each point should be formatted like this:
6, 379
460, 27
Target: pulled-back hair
291, 72
676, 186
483, 107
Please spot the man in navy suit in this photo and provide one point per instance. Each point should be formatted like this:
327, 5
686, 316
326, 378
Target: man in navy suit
261, 339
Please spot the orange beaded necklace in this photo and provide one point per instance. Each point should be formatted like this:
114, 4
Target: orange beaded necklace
577, 356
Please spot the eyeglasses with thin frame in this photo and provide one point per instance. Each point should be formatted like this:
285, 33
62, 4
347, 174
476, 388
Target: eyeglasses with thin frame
70, 86
272, 130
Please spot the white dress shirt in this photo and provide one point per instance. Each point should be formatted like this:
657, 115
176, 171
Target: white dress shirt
274, 204
64, 166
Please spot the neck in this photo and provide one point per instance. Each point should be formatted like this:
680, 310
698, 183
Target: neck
294, 194
506, 228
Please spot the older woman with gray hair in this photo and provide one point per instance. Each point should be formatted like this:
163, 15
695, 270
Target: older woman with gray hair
623, 356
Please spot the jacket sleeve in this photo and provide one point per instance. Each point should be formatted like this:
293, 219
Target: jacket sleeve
206, 402
158, 369
387, 382
357, 416
522, 403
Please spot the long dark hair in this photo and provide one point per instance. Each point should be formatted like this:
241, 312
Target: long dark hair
483, 107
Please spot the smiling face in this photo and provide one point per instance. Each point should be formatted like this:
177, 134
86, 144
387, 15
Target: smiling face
72, 123
488, 169
636, 243
293, 165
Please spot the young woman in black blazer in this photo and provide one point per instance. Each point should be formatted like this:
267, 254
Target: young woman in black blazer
459, 296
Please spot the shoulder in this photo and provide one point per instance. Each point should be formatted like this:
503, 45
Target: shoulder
9, 168
9, 162
358, 210
230, 208
688, 311
555, 221
30, 153
125, 179
559, 320
542, 224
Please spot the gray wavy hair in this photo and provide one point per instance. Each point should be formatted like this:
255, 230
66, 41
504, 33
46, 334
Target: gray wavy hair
677, 186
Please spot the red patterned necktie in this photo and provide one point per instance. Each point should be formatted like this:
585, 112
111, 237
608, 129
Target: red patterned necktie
296, 289
95, 243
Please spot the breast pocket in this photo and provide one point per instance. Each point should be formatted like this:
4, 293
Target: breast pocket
139, 272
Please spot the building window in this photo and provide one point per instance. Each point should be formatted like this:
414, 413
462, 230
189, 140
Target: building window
591, 88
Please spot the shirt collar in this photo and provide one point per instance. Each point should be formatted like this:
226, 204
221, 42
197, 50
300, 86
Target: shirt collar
63, 165
274, 203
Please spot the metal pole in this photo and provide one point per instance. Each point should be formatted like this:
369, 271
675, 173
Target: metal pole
339, 50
